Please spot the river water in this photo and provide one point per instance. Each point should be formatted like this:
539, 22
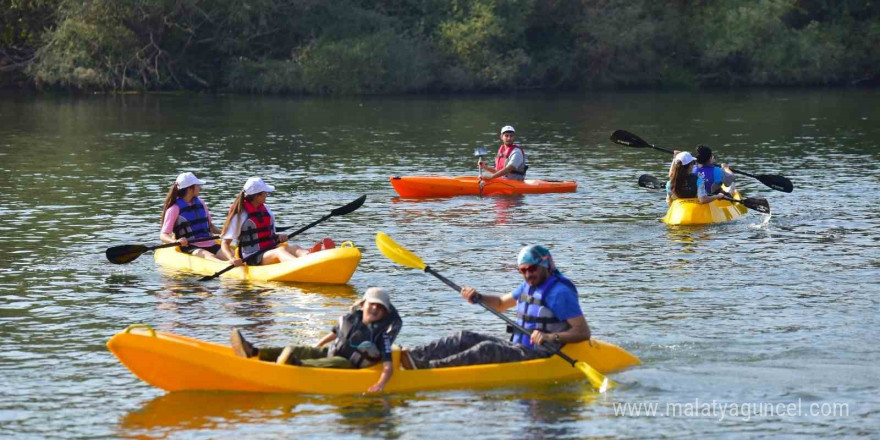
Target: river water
775, 313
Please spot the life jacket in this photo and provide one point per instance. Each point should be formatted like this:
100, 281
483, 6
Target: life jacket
707, 173
360, 343
504, 153
192, 221
690, 188
532, 311
257, 232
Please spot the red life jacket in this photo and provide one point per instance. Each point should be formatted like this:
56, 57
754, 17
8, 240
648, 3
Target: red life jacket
504, 153
257, 232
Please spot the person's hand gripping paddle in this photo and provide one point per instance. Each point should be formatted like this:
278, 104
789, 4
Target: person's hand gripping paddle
404, 257
480, 152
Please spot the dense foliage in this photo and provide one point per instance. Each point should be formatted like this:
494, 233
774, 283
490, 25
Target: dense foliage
399, 46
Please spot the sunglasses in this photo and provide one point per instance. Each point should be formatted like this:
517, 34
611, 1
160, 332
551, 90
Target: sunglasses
529, 269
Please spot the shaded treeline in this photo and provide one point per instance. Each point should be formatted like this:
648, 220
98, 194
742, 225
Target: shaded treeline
399, 46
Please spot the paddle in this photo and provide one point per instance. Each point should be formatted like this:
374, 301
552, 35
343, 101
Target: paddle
759, 204
403, 256
129, 252
779, 183
336, 212
480, 152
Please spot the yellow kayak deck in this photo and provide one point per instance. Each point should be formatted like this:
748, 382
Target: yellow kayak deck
177, 363
691, 212
331, 266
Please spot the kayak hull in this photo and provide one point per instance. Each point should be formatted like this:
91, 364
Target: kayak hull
691, 212
178, 363
331, 266
444, 186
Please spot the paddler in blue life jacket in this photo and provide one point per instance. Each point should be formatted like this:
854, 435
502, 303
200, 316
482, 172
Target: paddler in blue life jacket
546, 303
361, 338
185, 219
713, 176
510, 162
684, 184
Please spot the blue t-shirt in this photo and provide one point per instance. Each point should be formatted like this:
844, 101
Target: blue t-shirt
562, 300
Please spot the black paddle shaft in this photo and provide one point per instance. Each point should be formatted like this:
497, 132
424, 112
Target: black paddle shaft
357, 203
779, 183
506, 318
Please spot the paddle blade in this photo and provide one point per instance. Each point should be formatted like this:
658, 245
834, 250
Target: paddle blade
624, 137
125, 253
650, 182
398, 253
778, 183
597, 379
342, 210
759, 204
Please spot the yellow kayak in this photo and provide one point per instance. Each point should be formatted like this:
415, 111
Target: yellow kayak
177, 363
331, 266
691, 212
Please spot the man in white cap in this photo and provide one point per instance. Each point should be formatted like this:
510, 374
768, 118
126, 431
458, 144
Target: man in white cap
361, 338
510, 162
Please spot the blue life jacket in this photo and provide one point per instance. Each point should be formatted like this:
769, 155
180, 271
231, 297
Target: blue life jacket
532, 311
708, 174
192, 221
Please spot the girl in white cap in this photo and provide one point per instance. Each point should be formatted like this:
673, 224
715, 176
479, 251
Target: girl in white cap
252, 225
185, 219
361, 338
510, 162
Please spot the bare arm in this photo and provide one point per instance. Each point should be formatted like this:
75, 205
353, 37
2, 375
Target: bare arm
499, 303
578, 331
387, 371
327, 338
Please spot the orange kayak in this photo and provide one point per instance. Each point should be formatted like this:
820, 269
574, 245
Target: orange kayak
444, 186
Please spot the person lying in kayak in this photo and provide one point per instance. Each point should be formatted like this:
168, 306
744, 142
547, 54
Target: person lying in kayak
185, 218
684, 184
251, 223
510, 162
361, 338
546, 303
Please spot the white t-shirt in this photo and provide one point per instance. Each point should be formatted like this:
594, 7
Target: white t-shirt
234, 229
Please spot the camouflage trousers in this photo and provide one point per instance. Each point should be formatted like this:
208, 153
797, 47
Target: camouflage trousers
310, 356
469, 348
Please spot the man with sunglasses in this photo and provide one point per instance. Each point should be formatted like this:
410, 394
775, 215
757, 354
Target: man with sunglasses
546, 303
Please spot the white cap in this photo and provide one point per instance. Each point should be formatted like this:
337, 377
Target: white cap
186, 180
684, 157
378, 295
507, 128
255, 185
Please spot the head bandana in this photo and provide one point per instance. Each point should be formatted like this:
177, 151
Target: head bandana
537, 255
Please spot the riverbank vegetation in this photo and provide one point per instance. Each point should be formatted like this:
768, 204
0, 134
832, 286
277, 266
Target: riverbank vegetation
326, 47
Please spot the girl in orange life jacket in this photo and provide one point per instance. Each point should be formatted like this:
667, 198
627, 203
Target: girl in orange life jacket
510, 162
186, 218
684, 184
252, 225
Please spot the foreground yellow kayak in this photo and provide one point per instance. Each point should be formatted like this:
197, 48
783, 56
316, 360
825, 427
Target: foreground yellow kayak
691, 212
178, 363
332, 266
